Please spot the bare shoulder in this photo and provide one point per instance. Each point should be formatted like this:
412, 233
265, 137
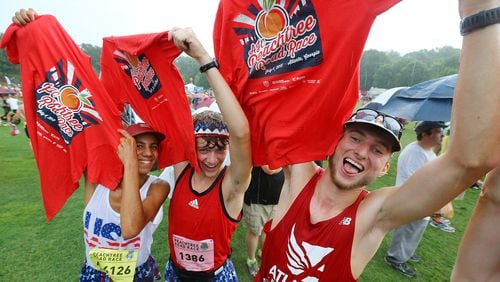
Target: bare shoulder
159, 187
370, 215
159, 181
179, 168
89, 189
296, 177
300, 174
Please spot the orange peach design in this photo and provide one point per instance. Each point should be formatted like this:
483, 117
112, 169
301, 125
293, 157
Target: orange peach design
69, 98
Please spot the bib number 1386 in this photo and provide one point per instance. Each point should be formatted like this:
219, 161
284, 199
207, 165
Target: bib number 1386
194, 255
191, 257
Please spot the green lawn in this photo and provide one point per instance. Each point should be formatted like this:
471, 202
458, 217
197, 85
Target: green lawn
36, 250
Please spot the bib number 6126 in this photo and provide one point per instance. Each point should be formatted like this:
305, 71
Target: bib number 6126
120, 270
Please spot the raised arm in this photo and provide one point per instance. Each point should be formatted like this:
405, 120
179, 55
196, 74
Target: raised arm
239, 173
135, 213
475, 114
481, 242
477, 96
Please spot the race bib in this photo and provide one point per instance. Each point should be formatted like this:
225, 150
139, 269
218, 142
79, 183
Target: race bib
194, 255
117, 264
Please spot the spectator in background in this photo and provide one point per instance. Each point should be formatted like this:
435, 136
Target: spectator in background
260, 200
6, 109
406, 238
14, 105
21, 116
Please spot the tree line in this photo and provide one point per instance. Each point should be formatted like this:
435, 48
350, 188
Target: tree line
188, 68
391, 69
378, 69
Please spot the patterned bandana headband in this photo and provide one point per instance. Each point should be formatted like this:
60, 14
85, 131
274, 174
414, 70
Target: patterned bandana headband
203, 128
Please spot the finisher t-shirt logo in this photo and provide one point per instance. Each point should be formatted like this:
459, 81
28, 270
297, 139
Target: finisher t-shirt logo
64, 103
279, 37
139, 69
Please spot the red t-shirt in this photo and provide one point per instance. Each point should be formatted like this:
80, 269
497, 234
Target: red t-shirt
296, 249
69, 118
294, 68
199, 227
139, 70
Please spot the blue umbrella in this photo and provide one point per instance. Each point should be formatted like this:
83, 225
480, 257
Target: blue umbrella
382, 98
429, 100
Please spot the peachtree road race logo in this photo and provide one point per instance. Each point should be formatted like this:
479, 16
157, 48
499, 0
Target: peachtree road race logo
279, 37
64, 103
139, 69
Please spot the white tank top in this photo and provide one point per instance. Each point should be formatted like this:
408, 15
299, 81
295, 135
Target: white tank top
101, 226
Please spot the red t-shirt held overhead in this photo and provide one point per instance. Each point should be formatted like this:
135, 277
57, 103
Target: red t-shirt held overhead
69, 118
293, 65
139, 70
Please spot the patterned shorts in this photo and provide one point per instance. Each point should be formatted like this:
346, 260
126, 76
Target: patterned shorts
148, 271
228, 273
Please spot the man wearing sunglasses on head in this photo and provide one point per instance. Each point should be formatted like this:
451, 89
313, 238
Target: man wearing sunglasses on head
327, 227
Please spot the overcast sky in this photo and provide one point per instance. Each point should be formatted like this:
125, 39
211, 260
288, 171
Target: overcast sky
409, 26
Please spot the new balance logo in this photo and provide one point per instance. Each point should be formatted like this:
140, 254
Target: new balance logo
346, 221
194, 204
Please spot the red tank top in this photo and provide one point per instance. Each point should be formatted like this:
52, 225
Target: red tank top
296, 249
199, 227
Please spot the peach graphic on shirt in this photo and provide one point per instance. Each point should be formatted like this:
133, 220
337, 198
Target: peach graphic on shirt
271, 20
133, 60
72, 98
278, 36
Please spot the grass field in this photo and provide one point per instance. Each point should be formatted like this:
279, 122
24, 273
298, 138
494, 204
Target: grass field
36, 250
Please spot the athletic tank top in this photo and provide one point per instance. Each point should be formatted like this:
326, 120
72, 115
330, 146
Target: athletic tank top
297, 250
199, 227
101, 226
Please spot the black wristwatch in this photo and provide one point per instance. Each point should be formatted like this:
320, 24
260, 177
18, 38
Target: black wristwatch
212, 64
480, 20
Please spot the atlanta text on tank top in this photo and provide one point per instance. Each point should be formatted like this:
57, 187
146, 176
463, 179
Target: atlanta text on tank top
200, 228
101, 225
298, 250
